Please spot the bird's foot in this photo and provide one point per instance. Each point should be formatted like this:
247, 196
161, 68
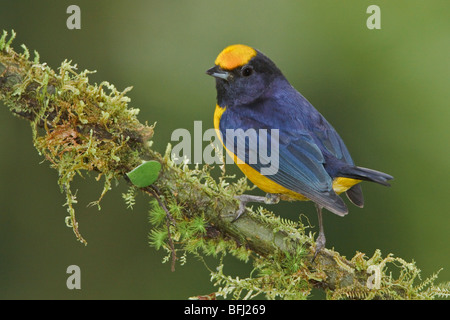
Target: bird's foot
270, 198
320, 244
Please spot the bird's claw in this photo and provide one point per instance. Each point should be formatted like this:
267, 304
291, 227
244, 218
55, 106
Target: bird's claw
270, 198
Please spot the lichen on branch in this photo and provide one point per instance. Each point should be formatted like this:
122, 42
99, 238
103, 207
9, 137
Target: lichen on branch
76, 126
81, 127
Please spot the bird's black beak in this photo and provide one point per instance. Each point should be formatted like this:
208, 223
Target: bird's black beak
217, 72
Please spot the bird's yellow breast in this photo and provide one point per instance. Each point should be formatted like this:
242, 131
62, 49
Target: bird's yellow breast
340, 184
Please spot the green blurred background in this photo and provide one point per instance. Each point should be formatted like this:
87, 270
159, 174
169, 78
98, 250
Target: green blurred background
385, 91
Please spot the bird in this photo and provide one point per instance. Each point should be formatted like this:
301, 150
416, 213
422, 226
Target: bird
313, 163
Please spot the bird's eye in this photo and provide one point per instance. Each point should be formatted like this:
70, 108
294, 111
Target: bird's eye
246, 71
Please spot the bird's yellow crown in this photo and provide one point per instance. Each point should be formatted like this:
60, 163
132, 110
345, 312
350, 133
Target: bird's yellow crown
235, 56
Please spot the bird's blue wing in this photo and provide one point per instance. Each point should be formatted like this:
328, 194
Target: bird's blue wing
300, 161
330, 141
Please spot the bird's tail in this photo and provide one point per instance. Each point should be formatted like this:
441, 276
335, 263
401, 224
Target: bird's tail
366, 174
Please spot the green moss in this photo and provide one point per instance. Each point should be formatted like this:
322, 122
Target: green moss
76, 126
287, 272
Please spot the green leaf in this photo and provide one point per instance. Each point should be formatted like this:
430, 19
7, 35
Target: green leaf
145, 174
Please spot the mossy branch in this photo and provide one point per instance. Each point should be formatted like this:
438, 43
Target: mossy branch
79, 127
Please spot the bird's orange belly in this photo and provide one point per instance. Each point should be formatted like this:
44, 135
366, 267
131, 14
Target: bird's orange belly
267, 185
340, 184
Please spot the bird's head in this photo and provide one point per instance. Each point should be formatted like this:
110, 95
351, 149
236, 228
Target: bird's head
243, 75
